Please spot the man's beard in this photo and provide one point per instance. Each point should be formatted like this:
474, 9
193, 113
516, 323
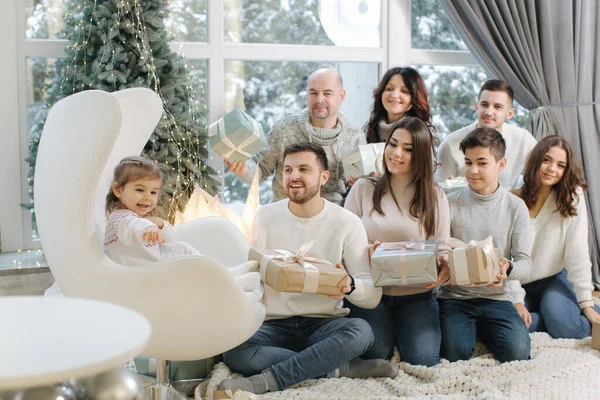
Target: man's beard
321, 115
309, 193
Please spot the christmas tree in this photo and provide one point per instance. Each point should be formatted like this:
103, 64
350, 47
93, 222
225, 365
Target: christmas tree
119, 44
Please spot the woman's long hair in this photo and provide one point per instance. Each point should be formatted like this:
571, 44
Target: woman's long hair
418, 94
566, 189
424, 204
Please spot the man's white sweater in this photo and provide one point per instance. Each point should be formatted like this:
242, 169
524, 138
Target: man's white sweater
339, 237
518, 144
562, 243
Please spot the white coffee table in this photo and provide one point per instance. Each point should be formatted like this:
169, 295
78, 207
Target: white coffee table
44, 341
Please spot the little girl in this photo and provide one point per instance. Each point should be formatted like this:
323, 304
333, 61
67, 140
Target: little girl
134, 234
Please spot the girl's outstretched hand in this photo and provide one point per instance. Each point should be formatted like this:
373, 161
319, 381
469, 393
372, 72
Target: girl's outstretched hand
153, 235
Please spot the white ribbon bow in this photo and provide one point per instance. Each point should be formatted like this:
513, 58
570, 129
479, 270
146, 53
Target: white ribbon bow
402, 246
460, 259
311, 281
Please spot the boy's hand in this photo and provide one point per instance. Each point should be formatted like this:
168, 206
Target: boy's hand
152, 235
351, 181
159, 222
346, 288
524, 314
502, 275
443, 274
373, 247
239, 168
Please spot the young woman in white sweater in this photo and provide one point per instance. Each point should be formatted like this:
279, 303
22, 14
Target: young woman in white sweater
558, 291
404, 204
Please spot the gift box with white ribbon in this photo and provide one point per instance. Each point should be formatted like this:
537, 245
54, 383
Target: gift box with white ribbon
291, 272
363, 160
237, 136
473, 264
405, 263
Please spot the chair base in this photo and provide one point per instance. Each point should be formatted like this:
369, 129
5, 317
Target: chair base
161, 392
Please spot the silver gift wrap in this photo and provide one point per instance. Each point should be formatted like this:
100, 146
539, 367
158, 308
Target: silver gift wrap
399, 267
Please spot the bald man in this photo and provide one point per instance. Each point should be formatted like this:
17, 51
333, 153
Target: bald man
321, 123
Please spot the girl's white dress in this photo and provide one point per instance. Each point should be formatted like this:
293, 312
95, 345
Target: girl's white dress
123, 241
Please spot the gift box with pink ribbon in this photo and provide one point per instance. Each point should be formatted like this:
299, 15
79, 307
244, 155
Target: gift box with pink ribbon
405, 263
291, 272
363, 160
473, 264
236, 136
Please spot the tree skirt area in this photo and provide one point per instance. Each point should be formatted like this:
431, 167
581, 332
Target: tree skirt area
559, 369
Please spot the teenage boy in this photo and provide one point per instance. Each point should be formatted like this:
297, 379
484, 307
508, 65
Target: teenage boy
493, 108
483, 209
302, 336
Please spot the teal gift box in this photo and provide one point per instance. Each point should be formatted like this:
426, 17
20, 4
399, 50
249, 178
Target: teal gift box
180, 370
237, 136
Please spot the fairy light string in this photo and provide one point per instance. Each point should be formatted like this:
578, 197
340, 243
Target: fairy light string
125, 32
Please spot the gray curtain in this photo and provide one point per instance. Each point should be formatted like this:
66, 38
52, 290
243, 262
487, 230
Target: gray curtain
548, 50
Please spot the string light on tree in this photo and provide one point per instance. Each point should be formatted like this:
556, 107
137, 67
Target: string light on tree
118, 44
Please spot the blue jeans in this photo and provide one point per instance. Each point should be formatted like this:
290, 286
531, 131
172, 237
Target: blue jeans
554, 309
497, 323
412, 322
301, 348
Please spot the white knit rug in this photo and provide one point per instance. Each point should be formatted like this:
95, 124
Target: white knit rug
560, 369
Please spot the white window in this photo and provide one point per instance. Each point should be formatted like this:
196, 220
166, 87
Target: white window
254, 54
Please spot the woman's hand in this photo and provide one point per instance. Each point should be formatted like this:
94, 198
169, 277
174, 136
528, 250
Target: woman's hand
373, 247
443, 274
524, 313
591, 314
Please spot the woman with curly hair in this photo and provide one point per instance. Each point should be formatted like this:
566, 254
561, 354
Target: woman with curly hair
558, 291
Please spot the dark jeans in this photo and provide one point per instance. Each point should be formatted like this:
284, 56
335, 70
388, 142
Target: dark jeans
554, 308
412, 322
497, 323
301, 348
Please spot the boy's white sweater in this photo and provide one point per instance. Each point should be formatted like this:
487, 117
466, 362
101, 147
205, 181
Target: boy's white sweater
518, 144
339, 237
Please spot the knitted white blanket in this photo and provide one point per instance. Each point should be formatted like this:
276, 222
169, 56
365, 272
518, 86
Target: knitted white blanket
560, 369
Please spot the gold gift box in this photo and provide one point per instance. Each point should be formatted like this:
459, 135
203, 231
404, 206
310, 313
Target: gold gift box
286, 275
596, 336
477, 268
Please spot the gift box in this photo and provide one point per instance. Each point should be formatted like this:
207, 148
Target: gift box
363, 160
236, 136
596, 336
474, 263
405, 263
296, 273
452, 185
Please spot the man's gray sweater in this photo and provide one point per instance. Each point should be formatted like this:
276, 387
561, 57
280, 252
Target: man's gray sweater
501, 215
295, 129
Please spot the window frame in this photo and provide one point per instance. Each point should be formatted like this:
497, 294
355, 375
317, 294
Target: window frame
15, 230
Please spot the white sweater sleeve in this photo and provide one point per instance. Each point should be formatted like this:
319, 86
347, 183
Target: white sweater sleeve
447, 166
356, 260
131, 229
577, 256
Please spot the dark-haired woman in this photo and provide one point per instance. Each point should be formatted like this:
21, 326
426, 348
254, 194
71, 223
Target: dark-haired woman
404, 204
400, 93
558, 291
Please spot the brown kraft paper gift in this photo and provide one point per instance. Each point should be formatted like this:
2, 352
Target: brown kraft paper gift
475, 271
299, 274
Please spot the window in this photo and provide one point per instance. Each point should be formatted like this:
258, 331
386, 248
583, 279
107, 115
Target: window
254, 54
